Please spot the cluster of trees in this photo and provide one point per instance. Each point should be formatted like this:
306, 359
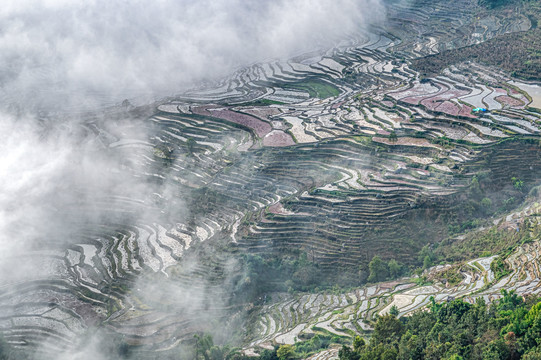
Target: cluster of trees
499, 268
510, 329
380, 270
205, 349
301, 350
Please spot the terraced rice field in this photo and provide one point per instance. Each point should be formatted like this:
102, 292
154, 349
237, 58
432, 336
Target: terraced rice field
534, 91
341, 156
294, 318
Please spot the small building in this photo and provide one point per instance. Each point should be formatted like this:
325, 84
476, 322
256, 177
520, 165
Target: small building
479, 110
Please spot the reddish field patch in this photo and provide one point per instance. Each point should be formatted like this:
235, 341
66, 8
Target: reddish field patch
413, 100
466, 111
278, 209
508, 100
337, 105
443, 94
260, 127
418, 89
448, 107
264, 113
278, 138
450, 93
203, 110
431, 104
436, 101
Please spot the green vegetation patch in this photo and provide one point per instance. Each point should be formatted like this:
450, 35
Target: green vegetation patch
508, 329
499, 241
499, 268
450, 276
316, 88
262, 102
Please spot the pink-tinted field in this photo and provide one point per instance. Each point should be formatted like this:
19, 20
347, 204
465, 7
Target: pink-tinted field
419, 98
260, 127
440, 101
466, 111
433, 101
435, 97
415, 91
265, 112
448, 107
277, 138
510, 101
337, 105
445, 93
518, 96
277, 209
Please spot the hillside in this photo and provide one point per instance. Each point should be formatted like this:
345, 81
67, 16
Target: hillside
301, 199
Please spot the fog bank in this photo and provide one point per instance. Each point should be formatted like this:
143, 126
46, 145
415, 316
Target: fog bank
59, 53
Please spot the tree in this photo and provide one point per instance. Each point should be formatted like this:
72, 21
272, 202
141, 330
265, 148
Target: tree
517, 183
410, 347
362, 274
378, 270
358, 344
532, 355
286, 352
389, 354
217, 353
345, 353
394, 269
496, 350
203, 345
427, 262
486, 204
388, 329
394, 310
268, 355
475, 187
426, 251
509, 301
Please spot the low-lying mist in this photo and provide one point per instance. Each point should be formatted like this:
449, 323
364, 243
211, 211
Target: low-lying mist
58, 173
80, 54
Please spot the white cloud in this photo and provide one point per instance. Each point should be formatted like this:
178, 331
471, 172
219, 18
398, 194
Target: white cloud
82, 51
63, 54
